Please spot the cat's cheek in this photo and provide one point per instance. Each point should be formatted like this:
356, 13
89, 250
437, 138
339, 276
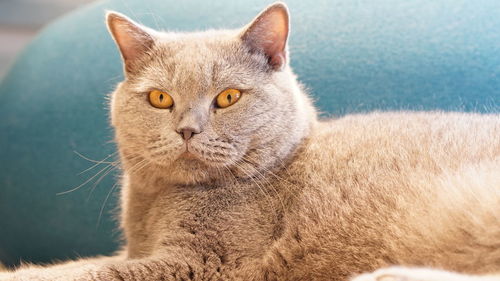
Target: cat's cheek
163, 149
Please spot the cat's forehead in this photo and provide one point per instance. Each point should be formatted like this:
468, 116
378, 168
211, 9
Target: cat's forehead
200, 60
196, 46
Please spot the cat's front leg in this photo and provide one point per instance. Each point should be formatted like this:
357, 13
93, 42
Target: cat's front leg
147, 269
50, 274
420, 274
61, 271
150, 269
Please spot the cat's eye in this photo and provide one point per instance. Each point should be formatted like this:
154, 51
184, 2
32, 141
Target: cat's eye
228, 97
160, 99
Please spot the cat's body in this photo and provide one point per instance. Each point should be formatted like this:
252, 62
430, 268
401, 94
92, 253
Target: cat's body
262, 190
361, 192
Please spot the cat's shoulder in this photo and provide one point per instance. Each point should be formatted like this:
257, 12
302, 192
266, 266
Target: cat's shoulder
386, 131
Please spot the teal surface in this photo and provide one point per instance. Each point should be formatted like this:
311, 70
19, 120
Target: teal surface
352, 55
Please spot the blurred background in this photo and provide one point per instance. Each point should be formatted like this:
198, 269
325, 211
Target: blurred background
21, 19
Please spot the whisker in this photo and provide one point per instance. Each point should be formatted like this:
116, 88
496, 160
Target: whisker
268, 182
104, 203
285, 183
143, 163
96, 161
85, 182
261, 188
100, 179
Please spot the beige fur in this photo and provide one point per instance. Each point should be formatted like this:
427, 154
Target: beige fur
269, 192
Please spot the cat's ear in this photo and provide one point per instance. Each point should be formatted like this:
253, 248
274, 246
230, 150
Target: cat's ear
268, 33
132, 39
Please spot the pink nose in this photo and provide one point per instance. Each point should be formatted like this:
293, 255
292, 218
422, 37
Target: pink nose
187, 132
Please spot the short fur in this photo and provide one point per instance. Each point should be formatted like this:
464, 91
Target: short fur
269, 192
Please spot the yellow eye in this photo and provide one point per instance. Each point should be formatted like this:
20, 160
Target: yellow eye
228, 97
160, 99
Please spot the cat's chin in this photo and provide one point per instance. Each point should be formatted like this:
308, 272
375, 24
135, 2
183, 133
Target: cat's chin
182, 167
189, 169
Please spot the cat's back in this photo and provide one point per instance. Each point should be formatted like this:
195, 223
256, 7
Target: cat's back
419, 140
402, 186
401, 152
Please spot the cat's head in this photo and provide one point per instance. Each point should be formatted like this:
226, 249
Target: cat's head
199, 107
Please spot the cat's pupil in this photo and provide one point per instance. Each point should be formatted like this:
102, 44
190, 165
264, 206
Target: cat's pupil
161, 97
229, 98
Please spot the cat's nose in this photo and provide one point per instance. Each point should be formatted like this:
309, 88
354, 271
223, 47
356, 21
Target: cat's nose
187, 132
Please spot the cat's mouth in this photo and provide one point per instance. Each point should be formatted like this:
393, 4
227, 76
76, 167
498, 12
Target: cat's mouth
188, 155
210, 154
188, 152
207, 152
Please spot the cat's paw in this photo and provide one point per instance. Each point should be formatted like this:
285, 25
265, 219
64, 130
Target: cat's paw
412, 274
37, 273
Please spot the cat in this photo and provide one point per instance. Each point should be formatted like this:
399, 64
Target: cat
228, 174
